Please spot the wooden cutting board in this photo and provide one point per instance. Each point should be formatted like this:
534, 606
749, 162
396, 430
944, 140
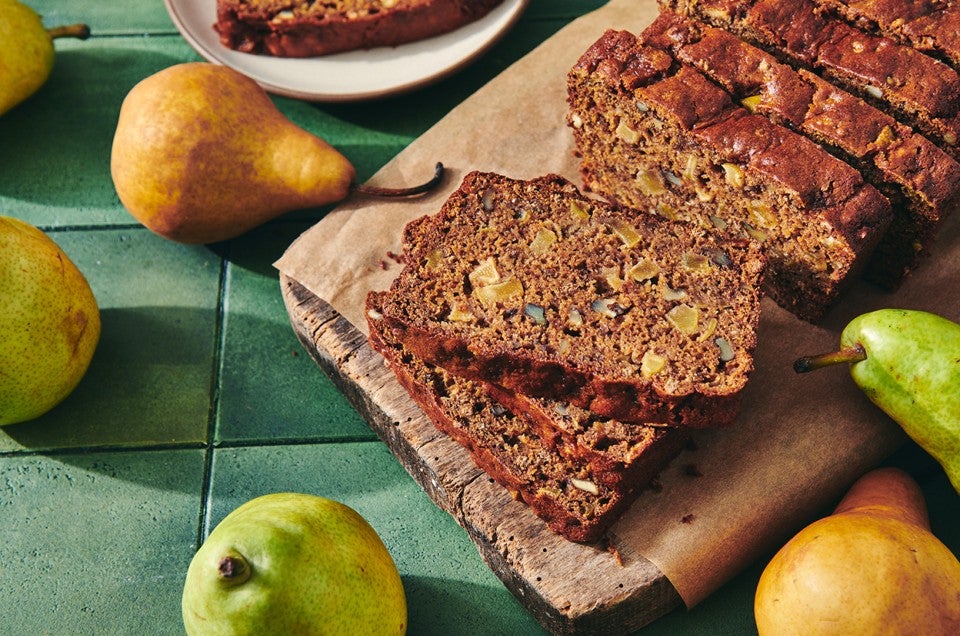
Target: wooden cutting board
799, 444
570, 588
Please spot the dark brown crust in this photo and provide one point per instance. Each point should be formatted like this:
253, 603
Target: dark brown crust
549, 451
931, 26
625, 401
823, 187
245, 27
921, 91
922, 180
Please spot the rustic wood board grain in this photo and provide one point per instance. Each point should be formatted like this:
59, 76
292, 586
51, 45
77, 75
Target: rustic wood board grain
570, 588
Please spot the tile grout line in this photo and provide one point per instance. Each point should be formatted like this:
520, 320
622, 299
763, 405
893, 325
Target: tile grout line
178, 446
206, 483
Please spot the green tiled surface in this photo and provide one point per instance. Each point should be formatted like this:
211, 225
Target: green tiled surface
151, 379
96, 543
264, 371
199, 396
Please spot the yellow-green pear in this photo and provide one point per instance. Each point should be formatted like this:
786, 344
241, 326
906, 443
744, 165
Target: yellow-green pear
26, 51
201, 154
49, 323
873, 566
293, 563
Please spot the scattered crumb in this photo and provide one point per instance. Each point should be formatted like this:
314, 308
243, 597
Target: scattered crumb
612, 549
687, 518
384, 265
393, 256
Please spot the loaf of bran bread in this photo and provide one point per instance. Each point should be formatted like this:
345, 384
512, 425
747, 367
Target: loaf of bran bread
539, 289
917, 89
579, 485
659, 136
921, 181
290, 28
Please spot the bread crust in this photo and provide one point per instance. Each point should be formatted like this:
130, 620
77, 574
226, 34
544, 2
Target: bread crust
918, 89
931, 26
921, 180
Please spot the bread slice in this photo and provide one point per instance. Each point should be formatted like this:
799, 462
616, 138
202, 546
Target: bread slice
533, 286
931, 26
305, 29
921, 180
660, 136
918, 89
579, 485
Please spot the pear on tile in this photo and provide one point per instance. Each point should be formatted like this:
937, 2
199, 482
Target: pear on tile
26, 51
49, 323
201, 154
293, 563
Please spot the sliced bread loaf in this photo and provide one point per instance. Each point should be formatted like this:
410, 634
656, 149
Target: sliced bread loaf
916, 88
921, 180
537, 288
660, 136
578, 488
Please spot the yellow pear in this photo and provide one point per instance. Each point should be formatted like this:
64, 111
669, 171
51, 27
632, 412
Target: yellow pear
201, 154
26, 51
49, 323
871, 567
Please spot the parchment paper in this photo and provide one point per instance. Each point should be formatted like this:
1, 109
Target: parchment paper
800, 441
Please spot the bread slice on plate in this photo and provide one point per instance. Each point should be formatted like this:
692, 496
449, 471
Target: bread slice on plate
306, 29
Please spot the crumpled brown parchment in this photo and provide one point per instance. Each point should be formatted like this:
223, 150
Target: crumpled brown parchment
742, 491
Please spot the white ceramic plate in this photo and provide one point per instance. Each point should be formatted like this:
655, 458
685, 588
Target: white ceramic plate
352, 76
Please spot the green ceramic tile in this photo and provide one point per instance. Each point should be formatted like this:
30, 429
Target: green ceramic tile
449, 588
106, 18
560, 9
55, 147
270, 388
97, 544
150, 381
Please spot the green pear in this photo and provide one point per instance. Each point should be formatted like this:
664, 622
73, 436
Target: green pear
49, 323
201, 154
907, 362
26, 51
291, 563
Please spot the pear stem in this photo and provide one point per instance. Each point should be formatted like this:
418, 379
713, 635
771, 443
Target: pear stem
378, 191
79, 31
853, 353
